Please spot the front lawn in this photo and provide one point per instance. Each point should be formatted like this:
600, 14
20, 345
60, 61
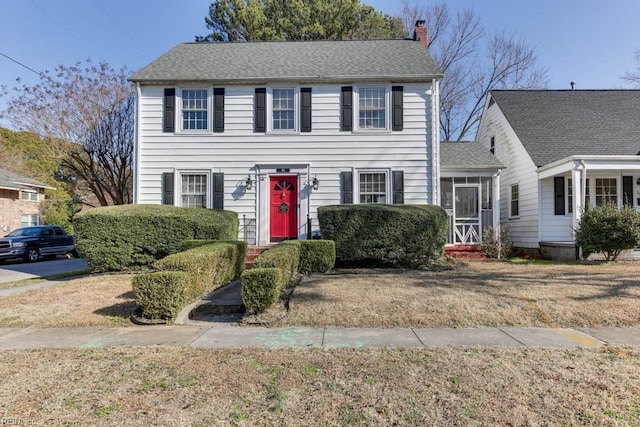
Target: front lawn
379, 387
481, 294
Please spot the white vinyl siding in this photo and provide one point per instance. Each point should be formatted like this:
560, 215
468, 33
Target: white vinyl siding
326, 150
523, 230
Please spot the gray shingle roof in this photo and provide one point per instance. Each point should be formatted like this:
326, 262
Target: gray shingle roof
555, 124
300, 61
467, 156
18, 182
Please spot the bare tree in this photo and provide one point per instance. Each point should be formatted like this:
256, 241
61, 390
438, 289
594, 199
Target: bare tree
473, 63
633, 77
92, 107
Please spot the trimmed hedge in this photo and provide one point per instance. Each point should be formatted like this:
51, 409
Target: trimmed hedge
284, 256
124, 237
242, 247
394, 235
316, 256
261, 288
186, 276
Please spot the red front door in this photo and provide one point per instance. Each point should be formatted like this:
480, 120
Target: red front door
283, 207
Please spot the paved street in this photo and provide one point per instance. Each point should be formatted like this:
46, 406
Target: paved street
13, 271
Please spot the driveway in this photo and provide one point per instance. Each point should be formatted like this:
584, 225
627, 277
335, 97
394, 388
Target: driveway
20, 271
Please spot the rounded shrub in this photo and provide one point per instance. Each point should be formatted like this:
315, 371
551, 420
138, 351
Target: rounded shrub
117, 238
391, 235
609, 230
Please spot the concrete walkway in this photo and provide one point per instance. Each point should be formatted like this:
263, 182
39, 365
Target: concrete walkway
225, 336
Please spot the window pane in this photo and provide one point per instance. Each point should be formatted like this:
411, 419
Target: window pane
606, 191
29, 220
373, 187
194, 191
372, 108
194, 109
283, 109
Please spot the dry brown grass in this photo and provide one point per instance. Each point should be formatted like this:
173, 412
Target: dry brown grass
446, 386
480, 294
97, 300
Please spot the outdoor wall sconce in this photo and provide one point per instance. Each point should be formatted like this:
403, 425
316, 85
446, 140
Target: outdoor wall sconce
248, 182
315, 183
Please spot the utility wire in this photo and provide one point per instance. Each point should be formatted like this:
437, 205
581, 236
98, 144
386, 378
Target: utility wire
119, 26
25, 66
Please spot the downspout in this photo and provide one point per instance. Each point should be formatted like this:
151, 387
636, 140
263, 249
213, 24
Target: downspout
435, 149
136, 148
309, 202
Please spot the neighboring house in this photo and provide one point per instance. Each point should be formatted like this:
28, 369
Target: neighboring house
21, 201
564, 149
274, 130
469, 190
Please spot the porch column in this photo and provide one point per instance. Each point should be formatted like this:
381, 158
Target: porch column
496, 205
578, 202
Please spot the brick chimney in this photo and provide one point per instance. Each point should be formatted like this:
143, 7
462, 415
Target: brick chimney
420, 33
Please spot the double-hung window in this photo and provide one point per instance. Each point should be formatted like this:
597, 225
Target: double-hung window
195, 109
606, 191
283, 109
372, 108
194, 190
29, 195
29, 220
373, 187
515, 196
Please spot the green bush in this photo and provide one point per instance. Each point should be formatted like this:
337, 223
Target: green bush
187, 276
284, 256
609, 230
316, 256
392, 235
261, 288
162, 294
117, 238
242, 247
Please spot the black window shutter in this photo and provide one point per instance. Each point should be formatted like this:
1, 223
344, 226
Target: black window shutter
260, 113
397, 182
218, 109
305, 110
558, 195
346, 184
169, 110
346, 113
218, 190
167, 188
397, 121
627, 190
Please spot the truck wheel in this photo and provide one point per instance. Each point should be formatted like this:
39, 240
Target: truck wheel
31, 255
74, 254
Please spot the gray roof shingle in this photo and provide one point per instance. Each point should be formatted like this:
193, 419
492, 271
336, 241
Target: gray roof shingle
468, 156
15, 181
555, 124
344, 60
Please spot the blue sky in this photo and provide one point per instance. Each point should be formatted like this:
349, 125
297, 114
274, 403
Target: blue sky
588, 41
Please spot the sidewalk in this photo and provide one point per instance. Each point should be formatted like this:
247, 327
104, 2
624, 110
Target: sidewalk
225, 336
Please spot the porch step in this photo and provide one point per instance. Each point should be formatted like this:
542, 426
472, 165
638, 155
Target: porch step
465, 252
252, 254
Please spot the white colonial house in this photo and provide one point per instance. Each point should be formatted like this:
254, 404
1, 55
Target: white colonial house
273, 130
564, 150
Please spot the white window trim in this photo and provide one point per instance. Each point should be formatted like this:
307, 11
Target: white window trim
30, 216
178, 185
511, 215
356, 108
356, 184
296, 110
28, 192
178, 113
568, 196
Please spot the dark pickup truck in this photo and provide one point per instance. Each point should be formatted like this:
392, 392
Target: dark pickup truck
30, 243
